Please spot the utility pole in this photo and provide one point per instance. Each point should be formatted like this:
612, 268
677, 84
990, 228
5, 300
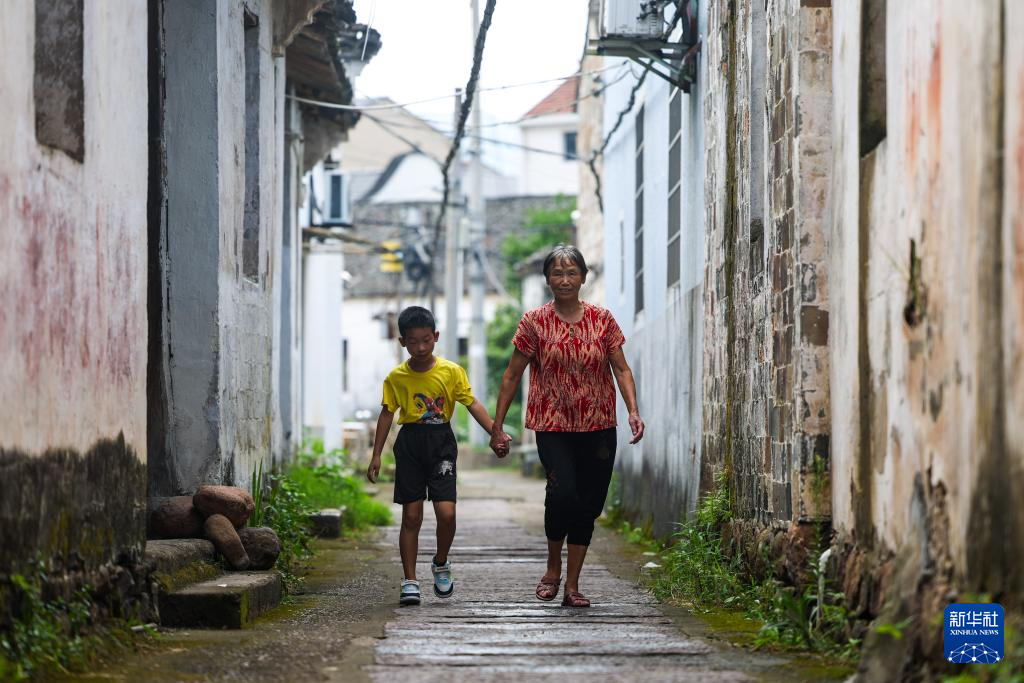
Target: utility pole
452, 262
477, 334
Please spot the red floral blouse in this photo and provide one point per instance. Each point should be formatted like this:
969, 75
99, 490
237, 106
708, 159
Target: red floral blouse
571, 387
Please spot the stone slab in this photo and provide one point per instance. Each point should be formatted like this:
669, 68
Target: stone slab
327, 522
229, 601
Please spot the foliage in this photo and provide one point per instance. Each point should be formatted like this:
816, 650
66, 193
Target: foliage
334, 484
543, 229
499, 349
46, 635
286, 510
696, 571
316, 480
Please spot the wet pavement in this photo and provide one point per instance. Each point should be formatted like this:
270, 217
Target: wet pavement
347, 625
494, 628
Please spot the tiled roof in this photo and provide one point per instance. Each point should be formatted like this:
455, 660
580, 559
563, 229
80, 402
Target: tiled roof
561, 101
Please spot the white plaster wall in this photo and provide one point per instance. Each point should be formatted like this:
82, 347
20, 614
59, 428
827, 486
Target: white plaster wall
664, 342
548, 174
246, 307
73, 324
321, 335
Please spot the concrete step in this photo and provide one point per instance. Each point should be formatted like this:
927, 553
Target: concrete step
327, 522
178, 562
232, 600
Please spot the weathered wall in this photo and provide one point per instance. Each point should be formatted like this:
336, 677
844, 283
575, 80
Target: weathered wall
766, 417
221, 305
73, 299
927, 337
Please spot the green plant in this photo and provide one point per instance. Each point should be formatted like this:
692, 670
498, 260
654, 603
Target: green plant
44, 634
286, 511
696, 571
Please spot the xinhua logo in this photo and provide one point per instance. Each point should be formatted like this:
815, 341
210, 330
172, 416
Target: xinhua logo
974, 633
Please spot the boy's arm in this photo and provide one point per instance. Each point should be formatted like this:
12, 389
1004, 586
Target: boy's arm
479, 413
384, 421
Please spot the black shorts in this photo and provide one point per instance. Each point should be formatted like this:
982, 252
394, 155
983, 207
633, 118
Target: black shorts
425, 456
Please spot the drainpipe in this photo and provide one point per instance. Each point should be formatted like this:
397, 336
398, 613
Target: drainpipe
822, 563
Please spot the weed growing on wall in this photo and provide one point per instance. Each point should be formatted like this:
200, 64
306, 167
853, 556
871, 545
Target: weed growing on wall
694, 571
51, 636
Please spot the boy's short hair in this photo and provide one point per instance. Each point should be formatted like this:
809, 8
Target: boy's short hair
415, 316
565, 252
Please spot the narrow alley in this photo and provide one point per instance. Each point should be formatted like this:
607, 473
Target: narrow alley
346, 626
742, 278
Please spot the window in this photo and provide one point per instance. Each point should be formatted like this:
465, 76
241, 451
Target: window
58, 87
337, 199
569, 146
638, 234
675, 141
872, 75
251, 212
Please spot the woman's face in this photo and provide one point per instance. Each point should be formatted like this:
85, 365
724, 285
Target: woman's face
565, 279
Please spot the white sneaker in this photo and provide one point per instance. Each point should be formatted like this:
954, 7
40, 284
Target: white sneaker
444, 586
410, 594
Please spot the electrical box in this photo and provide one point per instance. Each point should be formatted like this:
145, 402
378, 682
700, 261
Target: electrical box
633, 18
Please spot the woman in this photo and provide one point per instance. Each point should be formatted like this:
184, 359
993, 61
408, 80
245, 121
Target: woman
572, 348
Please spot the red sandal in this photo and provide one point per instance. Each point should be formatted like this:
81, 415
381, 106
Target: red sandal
547, 589
574, 599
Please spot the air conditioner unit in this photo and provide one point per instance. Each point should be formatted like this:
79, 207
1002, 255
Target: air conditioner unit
633, 18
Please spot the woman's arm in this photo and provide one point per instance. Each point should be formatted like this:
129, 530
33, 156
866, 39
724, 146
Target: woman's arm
509, 384
627, 387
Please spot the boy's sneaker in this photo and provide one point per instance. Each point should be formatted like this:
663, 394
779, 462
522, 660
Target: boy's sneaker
443, 584
410, 594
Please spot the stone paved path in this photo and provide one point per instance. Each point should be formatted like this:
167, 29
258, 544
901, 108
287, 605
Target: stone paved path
494, 629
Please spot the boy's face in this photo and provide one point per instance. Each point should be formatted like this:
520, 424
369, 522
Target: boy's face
419, 342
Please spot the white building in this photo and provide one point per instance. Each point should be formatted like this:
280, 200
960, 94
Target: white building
548, 132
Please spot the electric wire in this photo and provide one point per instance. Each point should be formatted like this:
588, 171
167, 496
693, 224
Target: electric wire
394, 105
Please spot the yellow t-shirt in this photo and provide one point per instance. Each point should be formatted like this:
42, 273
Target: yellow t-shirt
427, 397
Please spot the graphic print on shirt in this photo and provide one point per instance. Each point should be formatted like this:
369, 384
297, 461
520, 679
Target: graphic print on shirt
432, 409
571, 388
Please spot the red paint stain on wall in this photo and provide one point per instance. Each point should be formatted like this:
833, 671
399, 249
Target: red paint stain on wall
934, 109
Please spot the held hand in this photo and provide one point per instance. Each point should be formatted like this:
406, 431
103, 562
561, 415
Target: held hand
373, 471
500, 443
637, 426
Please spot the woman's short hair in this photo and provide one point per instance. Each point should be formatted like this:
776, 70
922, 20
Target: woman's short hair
565, 252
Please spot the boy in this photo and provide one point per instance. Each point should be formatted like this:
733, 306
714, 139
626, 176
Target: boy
425, 388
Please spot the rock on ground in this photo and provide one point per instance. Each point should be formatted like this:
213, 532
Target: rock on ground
222, 534
234, 503
176, 517
261, 545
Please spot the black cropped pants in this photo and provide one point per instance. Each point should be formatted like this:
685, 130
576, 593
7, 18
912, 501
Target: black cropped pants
579, 469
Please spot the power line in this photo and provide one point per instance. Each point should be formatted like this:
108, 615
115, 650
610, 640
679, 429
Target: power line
380, 107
